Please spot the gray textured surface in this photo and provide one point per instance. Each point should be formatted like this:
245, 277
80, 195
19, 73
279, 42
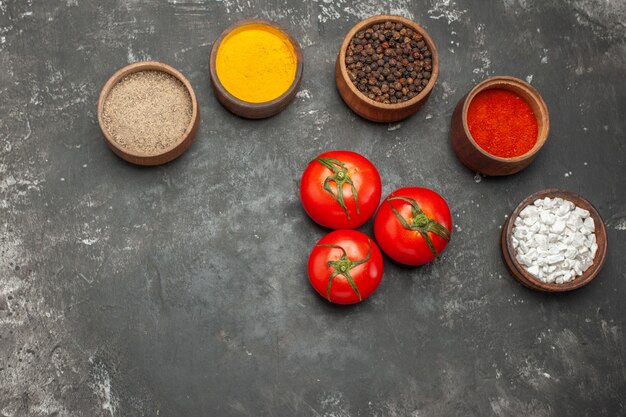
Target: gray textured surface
182, 290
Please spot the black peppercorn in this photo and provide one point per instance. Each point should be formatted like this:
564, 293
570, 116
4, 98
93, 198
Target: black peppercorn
389, 63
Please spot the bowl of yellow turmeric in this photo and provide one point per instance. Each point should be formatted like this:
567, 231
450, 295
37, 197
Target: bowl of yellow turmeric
255, 68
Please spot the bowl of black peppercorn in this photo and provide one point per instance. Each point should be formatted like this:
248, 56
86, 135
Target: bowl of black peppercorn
386, 68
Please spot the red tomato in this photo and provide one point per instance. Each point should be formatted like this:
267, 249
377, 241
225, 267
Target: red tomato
340, 189
345, 267
413, 225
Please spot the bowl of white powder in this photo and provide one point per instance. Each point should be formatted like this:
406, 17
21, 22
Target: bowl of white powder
554, 241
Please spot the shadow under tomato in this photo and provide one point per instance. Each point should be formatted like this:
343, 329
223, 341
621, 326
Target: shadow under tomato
367, 227
426, 268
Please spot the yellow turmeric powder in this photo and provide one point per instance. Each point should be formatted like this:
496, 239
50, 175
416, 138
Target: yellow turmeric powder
256, 63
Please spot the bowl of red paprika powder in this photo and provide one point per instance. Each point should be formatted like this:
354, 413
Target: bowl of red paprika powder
499, 126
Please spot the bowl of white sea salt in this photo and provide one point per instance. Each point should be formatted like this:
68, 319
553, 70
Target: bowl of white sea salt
554, 241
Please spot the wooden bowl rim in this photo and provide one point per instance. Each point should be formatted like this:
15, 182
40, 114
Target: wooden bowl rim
137, 67
365, 23
491, 83
526, 278
286, 96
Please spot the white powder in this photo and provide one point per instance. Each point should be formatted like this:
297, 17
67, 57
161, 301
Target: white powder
554, 240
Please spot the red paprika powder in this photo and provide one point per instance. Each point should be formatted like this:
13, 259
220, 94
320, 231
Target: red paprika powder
502, 123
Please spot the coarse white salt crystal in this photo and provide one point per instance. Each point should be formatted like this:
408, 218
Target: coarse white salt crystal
570, 253
562, 210
547, 218
581, 212
562, 247
574, 222
528, 211
521, 258
588, 225
523, 247
552, 259
548, 202
530, 220
540, 240
558, 227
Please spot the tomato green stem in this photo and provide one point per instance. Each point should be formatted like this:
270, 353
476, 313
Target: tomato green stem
343, 266
420, 222
340, 177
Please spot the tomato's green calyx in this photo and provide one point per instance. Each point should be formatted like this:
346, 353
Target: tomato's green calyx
340, 176
343, 266
420, 222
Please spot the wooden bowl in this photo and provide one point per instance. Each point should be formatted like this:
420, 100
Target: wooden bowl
244, 108
475, 157
525, 278
363, 105
173, 151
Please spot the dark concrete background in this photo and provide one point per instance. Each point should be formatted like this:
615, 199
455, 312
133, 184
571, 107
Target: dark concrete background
182, 291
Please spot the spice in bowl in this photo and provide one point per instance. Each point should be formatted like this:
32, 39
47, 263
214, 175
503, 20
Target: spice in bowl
256, 63
502, 123
147, 112
389, 62
554, 240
